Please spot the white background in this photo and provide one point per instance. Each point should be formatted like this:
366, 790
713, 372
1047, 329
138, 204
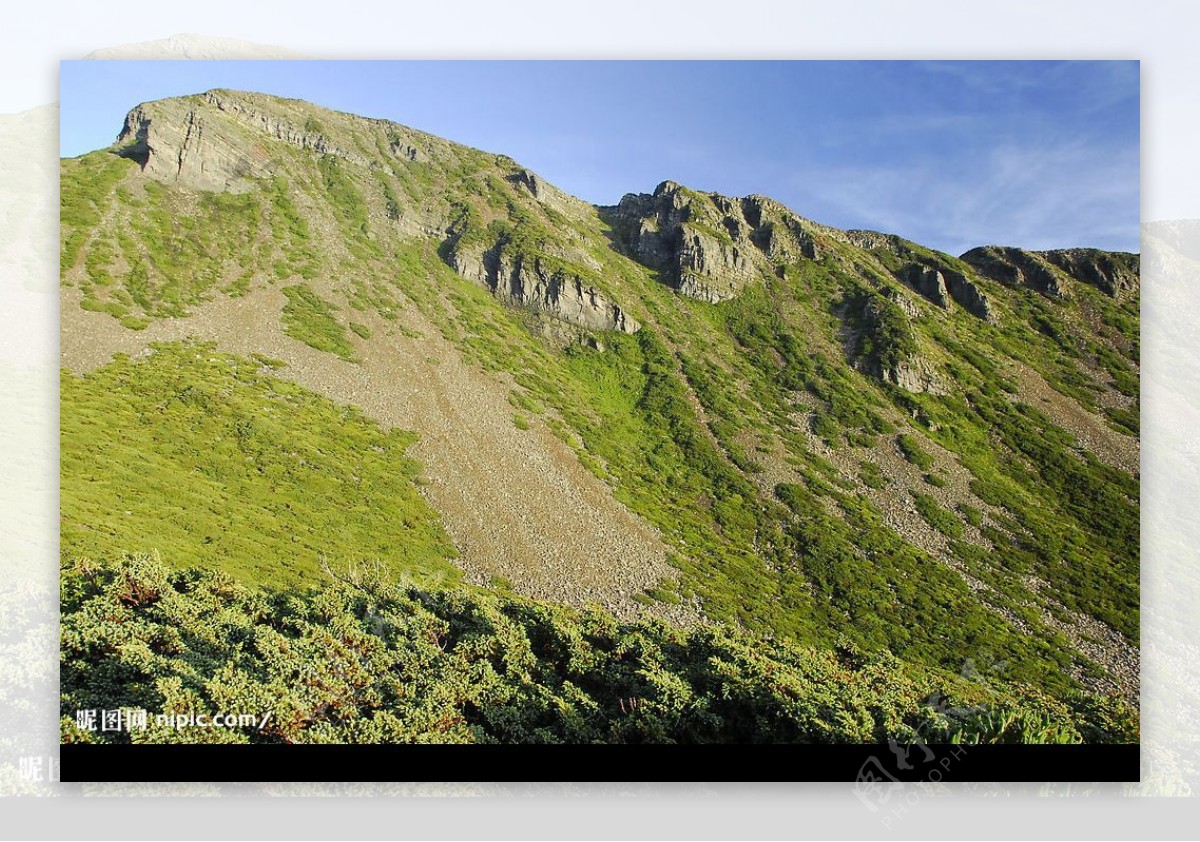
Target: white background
1162, 34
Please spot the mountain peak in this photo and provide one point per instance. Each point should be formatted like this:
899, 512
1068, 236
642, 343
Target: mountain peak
214, 141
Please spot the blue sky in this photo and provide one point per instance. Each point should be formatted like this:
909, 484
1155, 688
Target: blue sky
949, 154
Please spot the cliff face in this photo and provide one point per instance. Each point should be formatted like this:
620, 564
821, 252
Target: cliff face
174, 143
1052, 273
708, 246
528, 282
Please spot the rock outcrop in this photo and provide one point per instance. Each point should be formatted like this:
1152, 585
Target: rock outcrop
174, 143
882, 342
213, 141
929, 274
1052, 273
543, 191
1018, 267
972, 299
929, 282
913, 376
705, 245
1116, 274
531, 282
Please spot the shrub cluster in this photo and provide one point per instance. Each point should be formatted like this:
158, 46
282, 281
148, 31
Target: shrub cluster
368, 659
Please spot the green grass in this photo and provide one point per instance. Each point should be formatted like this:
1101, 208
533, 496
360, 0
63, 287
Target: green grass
1070, 519
200, 456
175, 247
290, 230
312, 320
340, 189
911, 450
179, 248
939, 518
1128, 421
871, 476
971, 514
86, 189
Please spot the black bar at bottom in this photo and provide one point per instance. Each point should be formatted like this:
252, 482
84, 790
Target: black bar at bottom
598, 763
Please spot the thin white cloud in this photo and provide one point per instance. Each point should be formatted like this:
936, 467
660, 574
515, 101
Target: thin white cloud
1038, 196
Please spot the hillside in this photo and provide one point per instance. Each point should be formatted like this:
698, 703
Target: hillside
689, 407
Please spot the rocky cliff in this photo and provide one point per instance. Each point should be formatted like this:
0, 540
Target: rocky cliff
540, 285
709, 246
173, 142
931, 274
216, 140
1052, 273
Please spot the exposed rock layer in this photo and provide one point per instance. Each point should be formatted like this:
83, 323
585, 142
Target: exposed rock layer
1053, 272
527, 282
709, 246
932, 275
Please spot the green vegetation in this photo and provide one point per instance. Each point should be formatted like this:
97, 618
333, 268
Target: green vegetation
290, 232
911, 450
342, 193
177, 248
1128, 421
880, 592
971, 514
887, 338
391, 202
742, 431
86, 188
630, 409
204, 458
1071, 520
391, 662
871, 476
937, 517
312, 320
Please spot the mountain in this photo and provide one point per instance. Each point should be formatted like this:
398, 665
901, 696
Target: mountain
296, 340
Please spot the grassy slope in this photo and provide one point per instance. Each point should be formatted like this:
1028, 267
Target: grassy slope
209, 460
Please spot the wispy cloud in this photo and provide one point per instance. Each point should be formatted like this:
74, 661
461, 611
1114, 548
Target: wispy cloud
1022, 153
1043, 196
